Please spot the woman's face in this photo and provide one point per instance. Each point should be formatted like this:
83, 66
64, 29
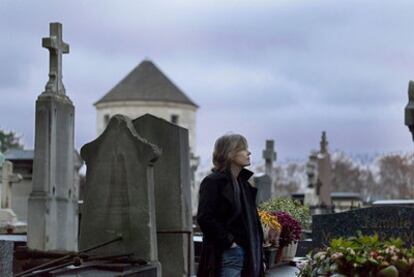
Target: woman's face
242, 158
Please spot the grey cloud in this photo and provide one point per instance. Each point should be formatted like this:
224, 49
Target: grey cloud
274, 69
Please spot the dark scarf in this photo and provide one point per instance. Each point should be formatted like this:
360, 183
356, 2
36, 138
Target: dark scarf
249, 216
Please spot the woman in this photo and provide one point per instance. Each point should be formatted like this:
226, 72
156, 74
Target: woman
227, 214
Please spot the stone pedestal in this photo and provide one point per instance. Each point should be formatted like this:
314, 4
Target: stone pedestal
172, 193
52, 211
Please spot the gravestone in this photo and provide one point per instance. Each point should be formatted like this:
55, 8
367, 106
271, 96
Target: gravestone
53, 205
6, 258
409, 109
324, 172
270, 156
8, 178
263, 183
386, 221
119, 193
172, 193
9, 222
311, 198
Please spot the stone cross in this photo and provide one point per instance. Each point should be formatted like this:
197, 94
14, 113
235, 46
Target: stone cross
409, 109
270, 156
8, 178
56, 48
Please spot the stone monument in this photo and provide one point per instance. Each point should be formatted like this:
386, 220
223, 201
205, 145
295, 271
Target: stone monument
9, 222
311, 198
8, 178
263, 183
270, 156
172, 178
324, 173
119, 193
409, 109
53, 205
386, 221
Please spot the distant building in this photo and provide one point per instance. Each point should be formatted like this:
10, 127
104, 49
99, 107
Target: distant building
148, 90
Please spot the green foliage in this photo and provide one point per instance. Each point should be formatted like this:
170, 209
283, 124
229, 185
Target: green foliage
361, 256
9, 140
297, 210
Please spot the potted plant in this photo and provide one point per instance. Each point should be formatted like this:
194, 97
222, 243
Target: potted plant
297, 218
290, 235
361, 256
271, 233
296, 209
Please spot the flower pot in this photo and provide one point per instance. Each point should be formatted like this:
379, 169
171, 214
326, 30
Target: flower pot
270, 256
278, 257
289, 252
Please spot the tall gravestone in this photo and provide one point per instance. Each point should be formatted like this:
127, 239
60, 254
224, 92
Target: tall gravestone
324, 173
270, 156
53, 205
119, 192
311, 198
409, 109
172, 193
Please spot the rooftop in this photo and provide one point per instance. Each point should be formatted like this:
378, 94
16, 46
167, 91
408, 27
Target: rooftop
146, 82
19, 154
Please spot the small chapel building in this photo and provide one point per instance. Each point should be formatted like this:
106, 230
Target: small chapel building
146, 89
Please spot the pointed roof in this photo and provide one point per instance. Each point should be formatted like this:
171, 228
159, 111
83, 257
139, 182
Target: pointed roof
146, 83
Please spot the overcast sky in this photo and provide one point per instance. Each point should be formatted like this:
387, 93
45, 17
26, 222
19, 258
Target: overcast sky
282, 70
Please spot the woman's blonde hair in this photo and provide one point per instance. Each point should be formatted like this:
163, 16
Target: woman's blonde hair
225, 147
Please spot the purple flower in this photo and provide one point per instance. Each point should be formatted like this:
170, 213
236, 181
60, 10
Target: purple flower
291, 228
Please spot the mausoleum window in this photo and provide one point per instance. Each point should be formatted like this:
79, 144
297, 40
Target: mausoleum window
106, 119
174, 119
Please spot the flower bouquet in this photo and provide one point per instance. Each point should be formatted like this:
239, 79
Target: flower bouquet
361, 256
297, 210
271, 229
271, 233
291, 228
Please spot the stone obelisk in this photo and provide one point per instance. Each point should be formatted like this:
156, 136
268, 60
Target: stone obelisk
324, 173
53, 203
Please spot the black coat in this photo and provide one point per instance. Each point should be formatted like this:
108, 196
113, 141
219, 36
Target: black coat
219, 223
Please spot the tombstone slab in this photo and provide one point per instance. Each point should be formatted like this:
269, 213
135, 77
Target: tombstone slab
119, 192
172, 193
386, 221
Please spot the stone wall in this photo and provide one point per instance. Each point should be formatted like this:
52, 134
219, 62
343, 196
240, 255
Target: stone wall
164, 110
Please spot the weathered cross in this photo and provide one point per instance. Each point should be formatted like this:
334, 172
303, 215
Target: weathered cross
56, 48
270, 156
